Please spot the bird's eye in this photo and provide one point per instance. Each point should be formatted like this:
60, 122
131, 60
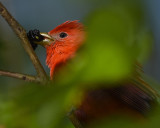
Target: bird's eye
63, 35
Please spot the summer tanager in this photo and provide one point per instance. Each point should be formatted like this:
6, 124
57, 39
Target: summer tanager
132, 98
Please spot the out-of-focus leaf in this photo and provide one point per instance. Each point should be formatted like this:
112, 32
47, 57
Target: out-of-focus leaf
35, 106
145, 45
116, 39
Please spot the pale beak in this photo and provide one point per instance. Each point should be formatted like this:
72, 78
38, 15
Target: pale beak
46, 41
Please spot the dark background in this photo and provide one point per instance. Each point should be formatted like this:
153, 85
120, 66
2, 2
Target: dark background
45, 15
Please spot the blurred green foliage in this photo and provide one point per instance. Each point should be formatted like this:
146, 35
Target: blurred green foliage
35, 106
117, 37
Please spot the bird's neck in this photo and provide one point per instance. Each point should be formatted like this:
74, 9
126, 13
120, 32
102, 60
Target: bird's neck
58, 54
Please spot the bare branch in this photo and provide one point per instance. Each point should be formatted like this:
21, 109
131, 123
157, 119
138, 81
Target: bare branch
21, 33
73, 118
19, 76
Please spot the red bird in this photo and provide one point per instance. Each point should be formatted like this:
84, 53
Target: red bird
61, 44
67, 38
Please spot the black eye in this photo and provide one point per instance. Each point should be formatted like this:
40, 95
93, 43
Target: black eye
63, 35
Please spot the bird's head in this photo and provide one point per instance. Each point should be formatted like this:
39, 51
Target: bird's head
62, 42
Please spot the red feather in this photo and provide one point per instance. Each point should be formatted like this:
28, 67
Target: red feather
63, 49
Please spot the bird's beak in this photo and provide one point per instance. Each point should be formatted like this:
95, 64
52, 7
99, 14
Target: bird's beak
47, 39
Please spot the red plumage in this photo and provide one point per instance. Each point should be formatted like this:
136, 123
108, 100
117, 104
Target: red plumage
62, 49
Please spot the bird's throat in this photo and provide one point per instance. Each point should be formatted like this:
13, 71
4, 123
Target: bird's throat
58, 54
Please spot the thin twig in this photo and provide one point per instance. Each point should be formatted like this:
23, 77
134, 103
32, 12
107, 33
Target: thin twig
21, 33
73, 118
19, 76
